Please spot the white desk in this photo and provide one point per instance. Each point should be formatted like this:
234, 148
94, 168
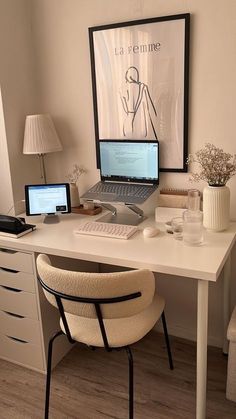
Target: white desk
161, 254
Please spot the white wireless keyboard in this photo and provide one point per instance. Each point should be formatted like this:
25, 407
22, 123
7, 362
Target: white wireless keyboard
116, 231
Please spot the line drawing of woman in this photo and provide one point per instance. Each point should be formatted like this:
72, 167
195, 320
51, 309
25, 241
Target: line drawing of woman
138, 106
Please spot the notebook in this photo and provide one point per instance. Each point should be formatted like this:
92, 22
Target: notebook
129, 171
27, 228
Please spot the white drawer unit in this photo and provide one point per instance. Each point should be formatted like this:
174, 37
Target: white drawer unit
20, 329
16, 279
21, 351
19, 261
18, 302
27, 320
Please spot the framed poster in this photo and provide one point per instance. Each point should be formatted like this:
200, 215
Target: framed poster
140, 73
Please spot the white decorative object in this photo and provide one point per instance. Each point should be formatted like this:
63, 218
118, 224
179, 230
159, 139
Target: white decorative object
74, 195
216, 167
89, 205
216, 205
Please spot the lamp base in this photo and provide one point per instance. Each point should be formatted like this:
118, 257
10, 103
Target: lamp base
42, 167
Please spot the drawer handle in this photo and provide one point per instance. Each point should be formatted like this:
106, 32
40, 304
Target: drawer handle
7, 250
14, 315
17, 339
8, 270
10, 288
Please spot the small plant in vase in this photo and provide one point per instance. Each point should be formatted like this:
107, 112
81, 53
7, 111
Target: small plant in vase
216, 165
73, 178
216, 168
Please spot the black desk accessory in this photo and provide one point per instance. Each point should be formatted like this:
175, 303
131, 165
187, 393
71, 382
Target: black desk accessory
14, 226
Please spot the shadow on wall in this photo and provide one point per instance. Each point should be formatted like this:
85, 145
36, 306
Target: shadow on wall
6, 195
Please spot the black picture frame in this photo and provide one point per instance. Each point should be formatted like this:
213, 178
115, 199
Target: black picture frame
140, 83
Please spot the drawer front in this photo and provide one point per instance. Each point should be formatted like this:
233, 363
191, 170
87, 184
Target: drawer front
20, 327
18, 302
15, 279
22, 352
19, 261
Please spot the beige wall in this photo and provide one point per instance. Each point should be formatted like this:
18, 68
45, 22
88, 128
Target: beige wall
46, 68
60, 30
18, 91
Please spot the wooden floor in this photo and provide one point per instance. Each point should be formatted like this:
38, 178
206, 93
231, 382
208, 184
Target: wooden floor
93, 385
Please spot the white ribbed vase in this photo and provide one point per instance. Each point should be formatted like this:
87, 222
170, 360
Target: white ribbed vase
216, 203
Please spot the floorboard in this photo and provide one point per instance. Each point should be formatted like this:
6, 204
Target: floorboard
93, 384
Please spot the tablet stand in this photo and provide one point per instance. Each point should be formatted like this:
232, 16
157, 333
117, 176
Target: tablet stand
51, 219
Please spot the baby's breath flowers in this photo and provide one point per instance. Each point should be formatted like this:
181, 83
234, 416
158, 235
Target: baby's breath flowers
77, 171
217, 167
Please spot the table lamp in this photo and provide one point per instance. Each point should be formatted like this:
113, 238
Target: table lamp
40, 138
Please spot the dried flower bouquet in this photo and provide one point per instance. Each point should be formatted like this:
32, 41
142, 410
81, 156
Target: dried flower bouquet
77, 171
217, 167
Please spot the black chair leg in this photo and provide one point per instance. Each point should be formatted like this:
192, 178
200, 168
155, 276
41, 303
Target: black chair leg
167, 341
131, 383
49, 368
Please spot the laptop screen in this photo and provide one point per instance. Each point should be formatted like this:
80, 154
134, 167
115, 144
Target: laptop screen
129, 161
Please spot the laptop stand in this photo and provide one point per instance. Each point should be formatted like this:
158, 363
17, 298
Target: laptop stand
115, 217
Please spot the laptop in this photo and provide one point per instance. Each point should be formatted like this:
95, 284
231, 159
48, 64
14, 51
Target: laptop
129, 171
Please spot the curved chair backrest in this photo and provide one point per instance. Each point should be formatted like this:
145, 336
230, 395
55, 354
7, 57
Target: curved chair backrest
120, 294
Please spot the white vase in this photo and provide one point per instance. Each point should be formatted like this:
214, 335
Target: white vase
74, 195
216, 203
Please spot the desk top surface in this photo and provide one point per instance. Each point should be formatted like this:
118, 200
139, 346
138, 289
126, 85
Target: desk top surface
161, 253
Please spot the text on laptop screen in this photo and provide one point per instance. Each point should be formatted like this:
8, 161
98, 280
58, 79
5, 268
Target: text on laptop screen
135, 161
47, 199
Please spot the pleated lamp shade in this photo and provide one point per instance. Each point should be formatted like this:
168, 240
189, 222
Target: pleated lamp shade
40, 135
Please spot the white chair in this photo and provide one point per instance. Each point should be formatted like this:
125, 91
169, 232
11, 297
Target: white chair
110, 310
231, 372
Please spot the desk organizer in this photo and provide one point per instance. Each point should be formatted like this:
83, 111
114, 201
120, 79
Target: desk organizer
81, 210
173, 198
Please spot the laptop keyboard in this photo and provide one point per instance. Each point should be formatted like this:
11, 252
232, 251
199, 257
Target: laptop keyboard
121, 189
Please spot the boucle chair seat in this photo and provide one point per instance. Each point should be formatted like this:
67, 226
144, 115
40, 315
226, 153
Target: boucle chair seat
120, 332
110, 310
231, 374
